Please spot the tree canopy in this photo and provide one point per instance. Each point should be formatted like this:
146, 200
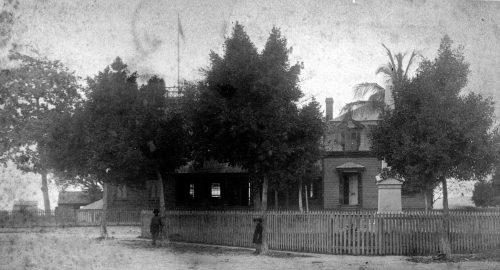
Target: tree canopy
35, 96
485, 194
396, 75
163, 127
247, 106
121, 134
435, 131
247, 112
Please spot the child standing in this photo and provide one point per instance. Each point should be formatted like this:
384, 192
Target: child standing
156, 226
257, 235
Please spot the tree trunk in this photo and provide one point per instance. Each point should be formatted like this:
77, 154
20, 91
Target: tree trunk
104, 212
301, 209
276, 200
431, 192
164, 233
426, 200
287, 198
265, 246
45, 192
256, 198
445, 234
162, 195
307, 199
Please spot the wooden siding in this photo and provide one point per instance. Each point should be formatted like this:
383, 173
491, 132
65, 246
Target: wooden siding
331, 140
137, 198
369, 193
415, 201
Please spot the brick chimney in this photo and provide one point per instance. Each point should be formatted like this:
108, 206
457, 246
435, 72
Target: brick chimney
329, 108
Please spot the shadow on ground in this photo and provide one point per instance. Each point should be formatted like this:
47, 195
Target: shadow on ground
490, 255
181, 248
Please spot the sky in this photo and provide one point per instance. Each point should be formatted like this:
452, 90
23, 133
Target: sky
16, 185
339, 42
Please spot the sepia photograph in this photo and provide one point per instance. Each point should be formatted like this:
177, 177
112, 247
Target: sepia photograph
239, 134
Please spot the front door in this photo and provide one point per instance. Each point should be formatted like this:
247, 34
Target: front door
353, 189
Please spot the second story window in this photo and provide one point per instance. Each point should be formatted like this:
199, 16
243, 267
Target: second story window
350, 139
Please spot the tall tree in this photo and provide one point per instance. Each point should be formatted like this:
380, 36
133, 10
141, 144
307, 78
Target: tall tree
102, 139
396, 75
300, 166
35, 96
163, 133
435, 132
247, 108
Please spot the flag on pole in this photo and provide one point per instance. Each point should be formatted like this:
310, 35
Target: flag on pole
181, 33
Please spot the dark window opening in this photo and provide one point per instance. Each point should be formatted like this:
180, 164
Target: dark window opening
345, 190
350, 188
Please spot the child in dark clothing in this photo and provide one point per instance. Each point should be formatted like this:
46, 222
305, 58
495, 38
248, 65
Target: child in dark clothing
257, 235
156, 226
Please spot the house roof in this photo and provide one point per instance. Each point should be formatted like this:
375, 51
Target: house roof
389, 182
350, 165
25, 203
211, 166
361, 113
73, 197
94, 205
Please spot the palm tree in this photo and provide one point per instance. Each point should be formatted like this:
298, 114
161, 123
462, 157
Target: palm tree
379, 96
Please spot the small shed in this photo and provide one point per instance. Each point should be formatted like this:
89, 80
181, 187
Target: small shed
23, 205
95, 205
73, 199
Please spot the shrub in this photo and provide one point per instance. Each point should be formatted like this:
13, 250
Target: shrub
485, 194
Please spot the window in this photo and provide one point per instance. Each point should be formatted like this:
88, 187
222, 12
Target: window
350, 139
152, 187
249, 194
191, 191
311, 190
350, 188
215, 190
121, 192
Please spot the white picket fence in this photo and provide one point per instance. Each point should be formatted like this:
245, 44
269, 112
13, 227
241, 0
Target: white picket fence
342, 232
68, 217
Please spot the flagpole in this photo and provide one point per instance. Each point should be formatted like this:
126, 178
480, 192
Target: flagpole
178, 54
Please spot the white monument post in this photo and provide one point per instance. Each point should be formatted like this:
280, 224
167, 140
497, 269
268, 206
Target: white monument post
389, 196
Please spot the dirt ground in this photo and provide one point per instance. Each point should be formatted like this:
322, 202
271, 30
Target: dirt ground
78, 248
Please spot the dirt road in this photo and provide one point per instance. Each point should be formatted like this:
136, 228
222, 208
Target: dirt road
77, 248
